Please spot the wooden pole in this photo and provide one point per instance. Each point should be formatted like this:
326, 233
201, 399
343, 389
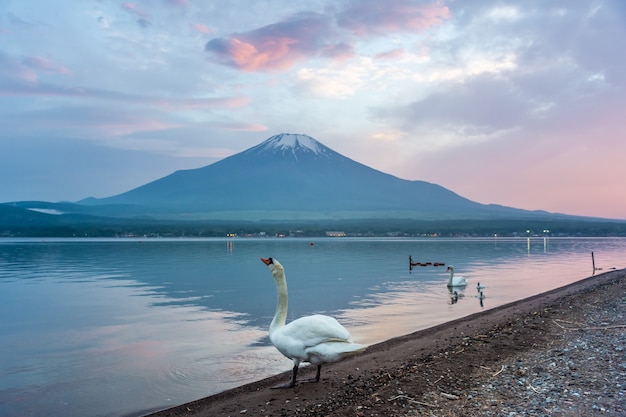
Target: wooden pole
593, 262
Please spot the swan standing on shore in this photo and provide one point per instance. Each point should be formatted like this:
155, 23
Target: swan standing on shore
316, 339
455, 281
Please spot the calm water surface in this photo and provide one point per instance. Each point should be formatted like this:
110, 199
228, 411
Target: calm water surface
124, 327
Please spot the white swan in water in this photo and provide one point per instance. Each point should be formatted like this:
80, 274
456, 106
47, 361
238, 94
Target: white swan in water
315, 339
455, 281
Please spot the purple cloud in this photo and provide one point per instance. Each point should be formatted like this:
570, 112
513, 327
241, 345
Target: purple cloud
374, 17
280, 46
501, 106
275, 47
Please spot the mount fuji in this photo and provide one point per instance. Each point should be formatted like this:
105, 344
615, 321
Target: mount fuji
293, 176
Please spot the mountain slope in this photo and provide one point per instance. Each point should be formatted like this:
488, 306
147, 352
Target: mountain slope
294, 175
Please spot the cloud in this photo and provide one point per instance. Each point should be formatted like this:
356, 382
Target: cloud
341, 82
132, 8
44, 64
374, 17
144, 23
178, 3
527, 77
104, 23
13, 71
201, 28
19, 79
502, 107
239, 126
308, 35
393, 54
275, 47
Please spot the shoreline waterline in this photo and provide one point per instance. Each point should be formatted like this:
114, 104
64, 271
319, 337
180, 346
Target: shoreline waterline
444, 337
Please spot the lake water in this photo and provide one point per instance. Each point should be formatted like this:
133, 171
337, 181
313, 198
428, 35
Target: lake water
124, 327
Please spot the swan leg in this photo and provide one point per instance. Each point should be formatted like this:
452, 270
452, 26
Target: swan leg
317, 375
290, 384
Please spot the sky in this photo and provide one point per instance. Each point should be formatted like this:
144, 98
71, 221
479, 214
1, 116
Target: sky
521, 104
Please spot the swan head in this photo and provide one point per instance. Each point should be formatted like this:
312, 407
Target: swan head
275, 267
450, 268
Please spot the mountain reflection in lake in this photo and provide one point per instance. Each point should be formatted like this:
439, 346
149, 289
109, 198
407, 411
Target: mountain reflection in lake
113, 327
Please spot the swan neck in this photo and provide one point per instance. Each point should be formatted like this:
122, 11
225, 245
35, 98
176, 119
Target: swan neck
280, 316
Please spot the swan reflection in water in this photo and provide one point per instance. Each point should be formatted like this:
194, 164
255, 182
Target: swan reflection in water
481, 297
455, 294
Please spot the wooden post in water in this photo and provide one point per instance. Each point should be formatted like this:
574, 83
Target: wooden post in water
593, 262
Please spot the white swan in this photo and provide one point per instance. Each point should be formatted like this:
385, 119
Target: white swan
315, 339
457, 281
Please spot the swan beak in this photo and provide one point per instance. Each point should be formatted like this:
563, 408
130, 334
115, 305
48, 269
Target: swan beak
267, 261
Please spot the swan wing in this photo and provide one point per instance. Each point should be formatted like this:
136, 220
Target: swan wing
458, 281
312, 330
317, 335
332, 351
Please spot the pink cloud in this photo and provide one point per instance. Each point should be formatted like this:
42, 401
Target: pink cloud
276, 47
273, 53
26, 70
201, 28
340, 52
196, 103
393, 54
374, 17
282, 45
40, 63
179, 3
11, 70
134, 9
240, 127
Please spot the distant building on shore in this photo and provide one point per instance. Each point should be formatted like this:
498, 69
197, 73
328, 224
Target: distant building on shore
332, 233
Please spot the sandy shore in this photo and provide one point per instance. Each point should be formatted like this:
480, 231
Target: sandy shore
560, 353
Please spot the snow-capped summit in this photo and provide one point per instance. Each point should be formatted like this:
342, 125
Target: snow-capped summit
291, 143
